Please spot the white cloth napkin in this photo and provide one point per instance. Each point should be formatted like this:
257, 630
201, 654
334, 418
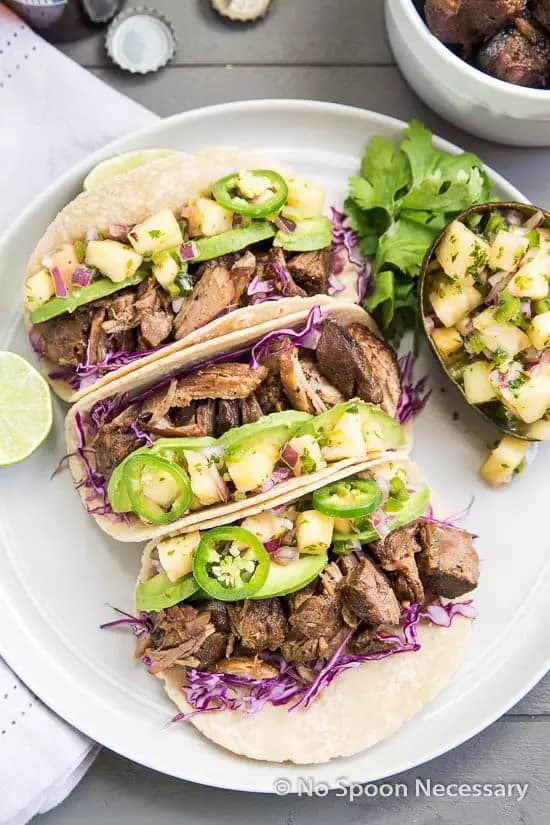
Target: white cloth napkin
52, 112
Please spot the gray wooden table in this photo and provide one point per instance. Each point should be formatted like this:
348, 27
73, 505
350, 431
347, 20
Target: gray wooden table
333, 50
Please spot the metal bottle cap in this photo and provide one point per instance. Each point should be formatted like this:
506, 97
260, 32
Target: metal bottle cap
140, 40
242, 10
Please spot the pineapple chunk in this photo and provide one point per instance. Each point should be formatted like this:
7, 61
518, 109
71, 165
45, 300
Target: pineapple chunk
304, 198
310, 457
267, 525
531, 279
155, 234
540, 430
503, 461
165, 269
507, 250
500, 336
477, 386
343, 525
206, 483
39, 288
346, 439
206, 217
159, 486
530, 401
176, 554
451, 302
461, 252
447, 340
313, 532
65, 259
113, 259
539, 331
253, 468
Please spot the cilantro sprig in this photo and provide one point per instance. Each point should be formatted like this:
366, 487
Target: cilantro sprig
404, 195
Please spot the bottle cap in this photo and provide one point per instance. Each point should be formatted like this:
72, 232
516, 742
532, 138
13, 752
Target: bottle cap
242, 10
140, 40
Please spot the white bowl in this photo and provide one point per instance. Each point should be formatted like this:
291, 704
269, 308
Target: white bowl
469, 98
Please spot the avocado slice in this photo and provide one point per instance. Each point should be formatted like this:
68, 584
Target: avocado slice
415, 506
275, 429
283, 579
309, 234
233, 240
84, 295
389, 432
159, 592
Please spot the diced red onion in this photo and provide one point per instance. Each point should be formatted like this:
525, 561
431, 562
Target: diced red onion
284, 224
272, 545
118, 231
286, 555
512, 217
188, 251
81, 276
59, 284
289, 455
498, 284
429, 323
380, 523
536, 219
526, 308
278, 475
177, 304
221, 486
91, 234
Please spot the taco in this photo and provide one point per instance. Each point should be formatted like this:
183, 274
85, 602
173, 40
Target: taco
318, 626
181, 250
200, 434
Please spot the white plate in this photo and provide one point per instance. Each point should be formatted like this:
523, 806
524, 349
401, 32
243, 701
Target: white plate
58, 569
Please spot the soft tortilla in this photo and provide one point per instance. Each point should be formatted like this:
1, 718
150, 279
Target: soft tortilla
129, 198
360, 708
151, 374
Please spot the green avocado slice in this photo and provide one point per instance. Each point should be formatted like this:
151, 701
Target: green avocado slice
283, 579
389, 433
274, 429
159, 592
309, 235
415, 507
84, 295
232, 241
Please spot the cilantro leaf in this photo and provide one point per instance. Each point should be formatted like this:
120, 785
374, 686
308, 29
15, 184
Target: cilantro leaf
405, 194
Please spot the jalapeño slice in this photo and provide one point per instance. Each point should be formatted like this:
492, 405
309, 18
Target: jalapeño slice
349, 498
230, 564
159, 492
257, 193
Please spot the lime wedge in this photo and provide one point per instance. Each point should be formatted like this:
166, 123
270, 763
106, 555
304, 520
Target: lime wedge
107, 169
25, 409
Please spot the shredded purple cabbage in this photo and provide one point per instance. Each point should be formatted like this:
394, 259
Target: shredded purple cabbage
414, 396
140, 434
452, 520
86, 373
344, 245
94, 482
36, 343
307, 337
272, 289
207, 692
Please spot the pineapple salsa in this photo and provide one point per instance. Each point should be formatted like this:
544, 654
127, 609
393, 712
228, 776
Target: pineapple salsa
243, 209
487, 295
159, 484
